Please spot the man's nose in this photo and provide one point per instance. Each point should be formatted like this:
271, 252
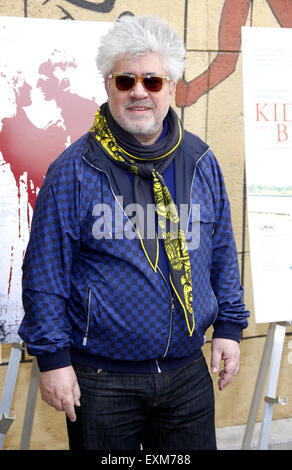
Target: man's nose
138, 91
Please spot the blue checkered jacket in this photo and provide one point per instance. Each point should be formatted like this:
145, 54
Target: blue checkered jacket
100, 295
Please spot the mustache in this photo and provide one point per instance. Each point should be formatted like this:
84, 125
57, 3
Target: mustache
138, 103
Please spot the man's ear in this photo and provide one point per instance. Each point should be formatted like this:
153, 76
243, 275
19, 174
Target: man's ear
172, 88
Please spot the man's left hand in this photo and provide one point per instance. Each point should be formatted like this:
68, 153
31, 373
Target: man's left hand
228, 351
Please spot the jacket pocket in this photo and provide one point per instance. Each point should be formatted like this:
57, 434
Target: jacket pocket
87, 306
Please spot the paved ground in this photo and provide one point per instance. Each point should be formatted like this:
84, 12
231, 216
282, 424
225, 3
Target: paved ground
280, 438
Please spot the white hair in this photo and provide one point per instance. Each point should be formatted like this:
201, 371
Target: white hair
135, 36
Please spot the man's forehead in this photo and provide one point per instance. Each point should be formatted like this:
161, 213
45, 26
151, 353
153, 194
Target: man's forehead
148, 63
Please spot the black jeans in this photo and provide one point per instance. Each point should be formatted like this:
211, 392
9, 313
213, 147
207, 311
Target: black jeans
172, 410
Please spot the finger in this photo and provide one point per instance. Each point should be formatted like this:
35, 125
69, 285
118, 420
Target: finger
55, 403
58, 405
225, 380
68, 407
231, 365
76, 394
215, 360
62, 405
226, 377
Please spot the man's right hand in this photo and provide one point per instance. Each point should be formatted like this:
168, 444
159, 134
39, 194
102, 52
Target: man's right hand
59, 388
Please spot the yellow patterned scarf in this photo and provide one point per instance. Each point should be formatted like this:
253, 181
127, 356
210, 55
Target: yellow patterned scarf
168, 218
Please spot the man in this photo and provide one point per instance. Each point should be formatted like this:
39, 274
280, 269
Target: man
117, 306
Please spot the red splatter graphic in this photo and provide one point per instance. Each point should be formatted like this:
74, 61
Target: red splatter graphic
30, 149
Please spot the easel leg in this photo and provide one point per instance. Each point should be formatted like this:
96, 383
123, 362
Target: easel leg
271, 396
263, 369
8, 391
30, 406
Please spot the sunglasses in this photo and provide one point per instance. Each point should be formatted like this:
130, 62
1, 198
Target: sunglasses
127, 81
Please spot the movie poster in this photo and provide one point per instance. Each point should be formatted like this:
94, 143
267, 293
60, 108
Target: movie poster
267, 89
50, 90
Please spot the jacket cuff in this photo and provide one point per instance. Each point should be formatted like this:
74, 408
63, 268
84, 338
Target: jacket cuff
227, 329
55, 360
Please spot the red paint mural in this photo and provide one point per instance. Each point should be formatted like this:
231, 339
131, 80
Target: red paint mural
31, 149
233, 17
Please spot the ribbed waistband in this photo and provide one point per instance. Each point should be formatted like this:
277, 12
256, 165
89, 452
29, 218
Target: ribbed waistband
151, 366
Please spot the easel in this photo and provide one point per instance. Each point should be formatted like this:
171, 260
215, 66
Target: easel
271, 359
7, 396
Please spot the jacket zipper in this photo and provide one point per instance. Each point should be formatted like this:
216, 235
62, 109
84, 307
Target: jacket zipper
158, 368
88, 293
172, 308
